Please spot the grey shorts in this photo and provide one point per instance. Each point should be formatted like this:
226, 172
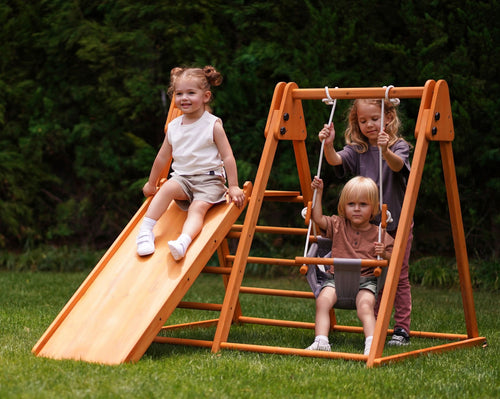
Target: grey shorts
208, 188
365, 283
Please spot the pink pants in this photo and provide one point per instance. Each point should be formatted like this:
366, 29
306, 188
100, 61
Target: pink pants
402, 301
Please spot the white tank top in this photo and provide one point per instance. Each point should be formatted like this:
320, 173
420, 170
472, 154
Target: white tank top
194, 151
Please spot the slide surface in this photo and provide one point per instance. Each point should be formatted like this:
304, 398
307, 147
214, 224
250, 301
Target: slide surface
118, 310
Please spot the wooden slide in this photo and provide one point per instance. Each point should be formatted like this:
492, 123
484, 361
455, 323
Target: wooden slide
118, 310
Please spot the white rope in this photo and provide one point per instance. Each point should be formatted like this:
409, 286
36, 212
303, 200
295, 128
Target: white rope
333, 102
381, 190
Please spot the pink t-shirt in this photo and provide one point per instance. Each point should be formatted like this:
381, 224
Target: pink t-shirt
353, 244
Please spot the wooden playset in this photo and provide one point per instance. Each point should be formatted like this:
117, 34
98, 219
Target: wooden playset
126, 301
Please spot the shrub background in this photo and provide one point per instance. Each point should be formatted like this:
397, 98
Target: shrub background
83, 100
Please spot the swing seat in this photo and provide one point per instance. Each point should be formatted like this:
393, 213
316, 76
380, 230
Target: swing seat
347, 275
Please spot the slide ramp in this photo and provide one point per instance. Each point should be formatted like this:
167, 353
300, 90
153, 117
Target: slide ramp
118, 310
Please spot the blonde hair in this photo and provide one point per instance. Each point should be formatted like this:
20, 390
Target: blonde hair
357, 188
207, 77
353, 133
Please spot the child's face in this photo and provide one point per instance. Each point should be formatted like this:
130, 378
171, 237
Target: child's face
189, 97
369, 121
359, 212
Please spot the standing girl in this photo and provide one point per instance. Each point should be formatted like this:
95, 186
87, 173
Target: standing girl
201, 156
353, 236
360, 156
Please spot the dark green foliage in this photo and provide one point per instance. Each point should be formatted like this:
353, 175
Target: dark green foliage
50, 259
84, 101
434, 272
439, 271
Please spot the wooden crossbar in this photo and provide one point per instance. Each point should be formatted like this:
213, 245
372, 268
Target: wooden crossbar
357, 92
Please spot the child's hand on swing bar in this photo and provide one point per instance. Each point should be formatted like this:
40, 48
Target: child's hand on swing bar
380, 250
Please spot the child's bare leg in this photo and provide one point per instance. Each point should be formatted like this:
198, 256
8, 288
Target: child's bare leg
324, 302
192, 227
195, 218
365, 304
169, 190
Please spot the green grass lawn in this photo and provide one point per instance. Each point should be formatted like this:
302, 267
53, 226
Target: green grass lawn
29, 302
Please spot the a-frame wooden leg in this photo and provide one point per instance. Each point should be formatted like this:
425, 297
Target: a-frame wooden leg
459, 238
405, 221
222, 252
240, 260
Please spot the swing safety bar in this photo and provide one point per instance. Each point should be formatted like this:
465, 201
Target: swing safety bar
301, 260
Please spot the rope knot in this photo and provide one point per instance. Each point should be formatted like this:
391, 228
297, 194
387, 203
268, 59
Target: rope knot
328, 100
394, 100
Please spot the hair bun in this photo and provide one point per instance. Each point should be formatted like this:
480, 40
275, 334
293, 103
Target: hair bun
213, 76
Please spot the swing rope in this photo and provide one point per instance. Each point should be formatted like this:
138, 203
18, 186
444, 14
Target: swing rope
333, 102
384, 218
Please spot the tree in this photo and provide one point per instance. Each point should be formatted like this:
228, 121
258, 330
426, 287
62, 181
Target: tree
84, 100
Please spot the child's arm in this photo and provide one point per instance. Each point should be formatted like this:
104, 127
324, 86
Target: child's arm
328, 134
161, 160
317, 210
394, 161
235, 193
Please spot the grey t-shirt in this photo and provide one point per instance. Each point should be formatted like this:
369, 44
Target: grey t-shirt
367, 164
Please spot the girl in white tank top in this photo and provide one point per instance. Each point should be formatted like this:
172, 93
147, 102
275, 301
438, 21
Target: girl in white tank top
200, 152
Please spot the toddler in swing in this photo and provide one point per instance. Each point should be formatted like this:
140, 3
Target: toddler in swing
364, 137
201, 158
353, 236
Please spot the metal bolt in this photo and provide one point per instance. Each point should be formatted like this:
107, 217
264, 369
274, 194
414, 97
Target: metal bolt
437, 115
283, 130
286, 116
434, 130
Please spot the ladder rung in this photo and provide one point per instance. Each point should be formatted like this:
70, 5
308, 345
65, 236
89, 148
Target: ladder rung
276, 292
200, 306
273, 229
265, 261
217, 270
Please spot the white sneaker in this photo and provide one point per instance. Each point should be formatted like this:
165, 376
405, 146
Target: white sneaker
368, 345
177, 249
145, 243
319, 346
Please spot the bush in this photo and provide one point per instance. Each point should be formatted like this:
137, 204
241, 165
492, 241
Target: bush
434, 271
50, 259
437, 271
485, 274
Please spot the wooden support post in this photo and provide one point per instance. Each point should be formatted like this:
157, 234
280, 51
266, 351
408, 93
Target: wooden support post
251, 217
405, 221
457, 229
